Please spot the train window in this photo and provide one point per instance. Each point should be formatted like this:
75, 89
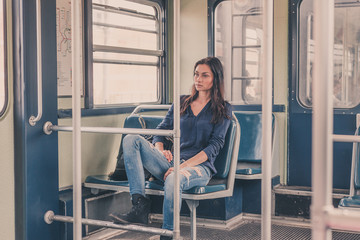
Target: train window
3, 77
238, 24
346, 54
127, 52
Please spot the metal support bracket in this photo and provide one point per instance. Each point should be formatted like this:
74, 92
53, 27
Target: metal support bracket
49, 217
193, 204
47, 128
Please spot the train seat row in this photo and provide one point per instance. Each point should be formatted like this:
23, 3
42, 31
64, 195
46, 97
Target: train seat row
353, 201
248, 160
221, 185
246, 165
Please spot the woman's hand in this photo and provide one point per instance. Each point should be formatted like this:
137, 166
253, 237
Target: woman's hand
170, 170
168, 155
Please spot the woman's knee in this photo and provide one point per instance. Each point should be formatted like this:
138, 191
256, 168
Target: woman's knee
169, 183
130, 140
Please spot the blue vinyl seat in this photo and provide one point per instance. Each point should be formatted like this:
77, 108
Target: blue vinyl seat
353, 201
221, 185
250, 152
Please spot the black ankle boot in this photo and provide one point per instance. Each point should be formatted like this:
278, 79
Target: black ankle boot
139, 212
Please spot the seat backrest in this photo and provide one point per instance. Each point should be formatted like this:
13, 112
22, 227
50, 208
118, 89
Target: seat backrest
223, 160
151, 122
251, 134
134, 121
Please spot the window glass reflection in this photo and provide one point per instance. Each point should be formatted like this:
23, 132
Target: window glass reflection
238, 35
346, 79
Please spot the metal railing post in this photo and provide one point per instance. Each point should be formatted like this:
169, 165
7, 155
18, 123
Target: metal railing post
176, 80
267, 79
322, 117
76, 113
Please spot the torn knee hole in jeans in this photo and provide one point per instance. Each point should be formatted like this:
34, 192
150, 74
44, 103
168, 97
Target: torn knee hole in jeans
187, 174
197, 170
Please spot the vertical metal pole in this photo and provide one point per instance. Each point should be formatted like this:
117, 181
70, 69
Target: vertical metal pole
176, 118
266, 163
322, 117
76, 112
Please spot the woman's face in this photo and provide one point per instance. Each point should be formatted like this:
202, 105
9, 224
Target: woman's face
203, 78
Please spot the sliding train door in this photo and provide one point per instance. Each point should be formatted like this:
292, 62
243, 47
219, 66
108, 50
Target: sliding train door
36, 154
346, 82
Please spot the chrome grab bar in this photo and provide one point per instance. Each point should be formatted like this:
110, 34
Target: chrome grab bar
152, 107
50, 216
33, 120
49, 127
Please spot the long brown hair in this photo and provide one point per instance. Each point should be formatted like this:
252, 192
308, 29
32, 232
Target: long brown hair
218, 104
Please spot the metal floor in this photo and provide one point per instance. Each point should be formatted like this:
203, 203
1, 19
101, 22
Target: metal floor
246, 231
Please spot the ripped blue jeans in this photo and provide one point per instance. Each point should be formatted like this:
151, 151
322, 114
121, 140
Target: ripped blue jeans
139, 154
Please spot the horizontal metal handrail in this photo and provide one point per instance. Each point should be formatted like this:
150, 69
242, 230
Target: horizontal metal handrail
124, 27
48, 128
247, 78
247, 14
49, 217
124, 11
342, 219
150, 107
137, 51
137, 63
247, 46
345, 138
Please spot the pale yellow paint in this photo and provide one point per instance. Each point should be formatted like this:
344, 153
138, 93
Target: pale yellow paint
193, 39
7, 185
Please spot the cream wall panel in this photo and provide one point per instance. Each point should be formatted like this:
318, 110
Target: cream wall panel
7, 202
193, 39
99, 151
7, 185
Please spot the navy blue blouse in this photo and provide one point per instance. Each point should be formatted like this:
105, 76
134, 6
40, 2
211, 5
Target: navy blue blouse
198, 133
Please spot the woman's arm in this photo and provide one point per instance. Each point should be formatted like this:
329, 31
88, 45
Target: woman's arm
217, 138
159, 146
195, 160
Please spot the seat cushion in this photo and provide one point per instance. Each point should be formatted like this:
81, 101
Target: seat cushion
352, 202
104, 179
156, 185
248, 171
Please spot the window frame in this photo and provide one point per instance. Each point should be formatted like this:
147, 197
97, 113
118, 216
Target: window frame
212, 4
294, 62
6, 84
89, 107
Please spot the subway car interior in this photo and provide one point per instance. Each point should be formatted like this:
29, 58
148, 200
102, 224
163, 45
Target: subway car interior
77, 76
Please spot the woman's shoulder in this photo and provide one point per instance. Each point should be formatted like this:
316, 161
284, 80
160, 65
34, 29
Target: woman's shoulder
228, 107
183, 97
